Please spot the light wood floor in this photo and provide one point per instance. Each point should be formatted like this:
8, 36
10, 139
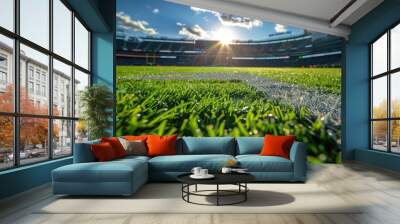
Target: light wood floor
379, 189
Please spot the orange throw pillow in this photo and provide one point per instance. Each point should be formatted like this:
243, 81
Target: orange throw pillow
277, 145
103, 152
161, 145
116, 145
135, 138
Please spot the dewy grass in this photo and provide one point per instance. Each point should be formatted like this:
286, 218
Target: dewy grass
325, 79
217, 108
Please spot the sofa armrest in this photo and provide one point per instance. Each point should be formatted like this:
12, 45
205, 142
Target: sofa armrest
83, 152
298, 155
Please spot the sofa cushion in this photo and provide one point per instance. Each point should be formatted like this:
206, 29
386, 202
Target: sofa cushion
161, 145
277, 145
134, 147
185, 163
135, 137
249, 145
103, 152
120, 170
257, 163
116, 145
207, 145
83, 152
133, 157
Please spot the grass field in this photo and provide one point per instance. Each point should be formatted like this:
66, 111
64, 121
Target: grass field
325, 79
217, 108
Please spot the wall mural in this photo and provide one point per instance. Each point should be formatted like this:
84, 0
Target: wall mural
196, 72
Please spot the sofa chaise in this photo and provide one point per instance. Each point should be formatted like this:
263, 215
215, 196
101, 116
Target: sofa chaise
125, 176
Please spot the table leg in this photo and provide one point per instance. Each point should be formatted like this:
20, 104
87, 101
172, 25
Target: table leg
245, 193
188, 189
195, 188
182, 190
217, 194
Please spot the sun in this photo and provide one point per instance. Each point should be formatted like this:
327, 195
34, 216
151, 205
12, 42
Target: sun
224, 36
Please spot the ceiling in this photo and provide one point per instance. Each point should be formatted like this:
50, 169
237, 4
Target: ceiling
333, 17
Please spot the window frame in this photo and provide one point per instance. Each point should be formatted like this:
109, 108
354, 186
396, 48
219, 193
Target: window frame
388, 74
16, 114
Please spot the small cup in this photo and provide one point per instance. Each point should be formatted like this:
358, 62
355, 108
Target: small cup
196, 171
203, 172
226, 170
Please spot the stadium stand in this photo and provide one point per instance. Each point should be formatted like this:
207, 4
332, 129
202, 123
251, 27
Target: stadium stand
307, 49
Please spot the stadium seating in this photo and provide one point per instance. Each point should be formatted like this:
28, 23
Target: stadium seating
308, 49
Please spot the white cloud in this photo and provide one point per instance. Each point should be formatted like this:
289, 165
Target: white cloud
200, 10
231, 20
194, 32
280, 28
135, 25
155, 11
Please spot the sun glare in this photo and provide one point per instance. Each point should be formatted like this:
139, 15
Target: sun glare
224, 36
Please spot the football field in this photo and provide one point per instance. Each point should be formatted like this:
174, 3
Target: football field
233, 101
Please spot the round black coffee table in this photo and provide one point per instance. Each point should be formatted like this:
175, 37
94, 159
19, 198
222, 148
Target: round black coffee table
238, 179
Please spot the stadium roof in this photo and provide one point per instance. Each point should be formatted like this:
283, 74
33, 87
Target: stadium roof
326, 16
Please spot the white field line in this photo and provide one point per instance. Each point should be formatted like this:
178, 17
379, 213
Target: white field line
321, 104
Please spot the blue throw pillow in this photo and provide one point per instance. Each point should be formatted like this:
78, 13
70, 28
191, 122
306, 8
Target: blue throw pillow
249, 145
208, 145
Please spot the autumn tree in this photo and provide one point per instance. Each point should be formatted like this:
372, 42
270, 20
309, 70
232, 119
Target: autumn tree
33, 131
380, 127
6, 122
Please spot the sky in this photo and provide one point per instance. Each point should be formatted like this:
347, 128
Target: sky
158, 18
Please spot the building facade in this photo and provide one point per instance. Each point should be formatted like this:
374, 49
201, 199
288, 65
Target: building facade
34, 82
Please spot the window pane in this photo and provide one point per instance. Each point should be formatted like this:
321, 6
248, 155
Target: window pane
35, 21
7, 14
395, 138
6, 74
395, 94
81, 45
62, 138
34, 97
395, 47
379, 97
62, 28
379, 55
81, 82
6, 142
81, 131
62, 89
33, 139
379, 135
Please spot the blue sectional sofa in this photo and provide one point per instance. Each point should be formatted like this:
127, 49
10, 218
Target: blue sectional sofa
125, 176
